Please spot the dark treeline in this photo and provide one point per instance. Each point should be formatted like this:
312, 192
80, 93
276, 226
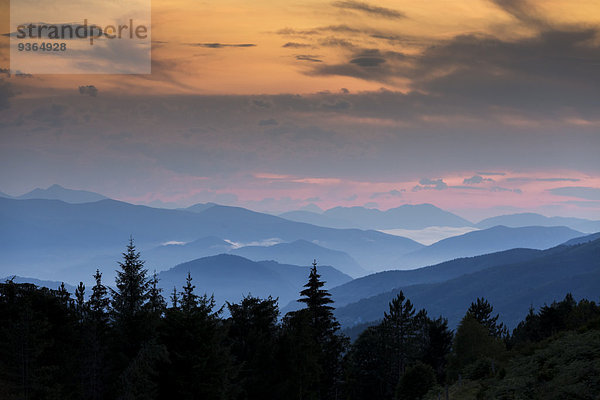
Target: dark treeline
129, 343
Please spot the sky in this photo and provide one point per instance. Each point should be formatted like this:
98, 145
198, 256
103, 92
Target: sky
481, 107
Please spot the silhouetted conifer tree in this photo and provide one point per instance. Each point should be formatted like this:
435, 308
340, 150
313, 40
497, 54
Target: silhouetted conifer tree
253, 334
482, 310
174, 298
400, 326
199, 365
80, 304
135, 349
321, 371
95, 342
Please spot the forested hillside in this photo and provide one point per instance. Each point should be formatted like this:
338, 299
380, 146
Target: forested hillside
131, 343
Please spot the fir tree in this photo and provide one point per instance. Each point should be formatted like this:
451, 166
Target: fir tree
253, 334
189, 300
131, 320
317, 301
481, 311
94, 360
80, 304
64, 296
132, 286
321, 380
99, 301
438, 346
174, 298
400, 326
156, 302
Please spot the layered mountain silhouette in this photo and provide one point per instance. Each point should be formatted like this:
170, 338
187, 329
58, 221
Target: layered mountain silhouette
170, 254
583, 239
511, 288
486, 241
57, 192
380, 282
301, 252
407, 216
43, 236
532, 219
54, 285
231, 277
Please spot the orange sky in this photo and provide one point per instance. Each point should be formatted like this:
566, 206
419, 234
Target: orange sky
180, 67
274, 105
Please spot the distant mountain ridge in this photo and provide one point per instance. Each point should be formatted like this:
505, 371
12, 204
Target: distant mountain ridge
57, 192
583, 239
54, 285
511, 288
371, 285
230, 277
43, 237
302, 252
198, 208
532, 219
497, 238
407, 216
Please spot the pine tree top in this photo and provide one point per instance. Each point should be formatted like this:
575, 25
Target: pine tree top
313, 295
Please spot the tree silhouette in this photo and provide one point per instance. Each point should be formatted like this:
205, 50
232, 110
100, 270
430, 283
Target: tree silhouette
481, 310
317, 301
322, 345
400, 326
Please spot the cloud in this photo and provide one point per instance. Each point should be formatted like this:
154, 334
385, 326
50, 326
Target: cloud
553, 69
581, 192
268, 122
369, 9
491, 173
501, 189
90, 90
466, 187
427, 184
338, 105
476, 179
537, 76
316, 31
351, 198
221, 45
371, 204
585, 204
522, 10
391, 193
295, 45
558, 180
366, 61
367, 64
296, 32
260, 103
306, 57
5, 93
527, 179
336, 42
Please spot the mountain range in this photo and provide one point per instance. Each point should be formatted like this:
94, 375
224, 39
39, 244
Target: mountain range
486, 241
407, 216
532, 219
43, 237
231, 277
301, 252
512, 287
57, 192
